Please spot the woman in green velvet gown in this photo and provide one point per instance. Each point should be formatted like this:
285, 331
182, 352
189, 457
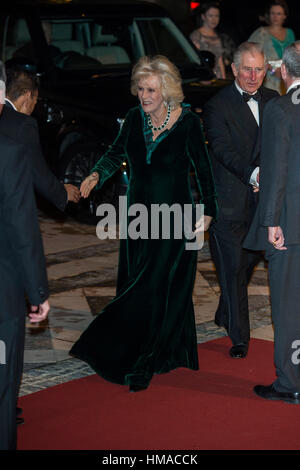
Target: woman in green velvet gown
149, 327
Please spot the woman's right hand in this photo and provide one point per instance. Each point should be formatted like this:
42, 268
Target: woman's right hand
88, 184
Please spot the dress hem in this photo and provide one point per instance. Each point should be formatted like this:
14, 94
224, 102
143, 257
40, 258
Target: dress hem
124, 381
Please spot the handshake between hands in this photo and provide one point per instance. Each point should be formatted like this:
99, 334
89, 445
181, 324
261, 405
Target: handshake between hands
74, 194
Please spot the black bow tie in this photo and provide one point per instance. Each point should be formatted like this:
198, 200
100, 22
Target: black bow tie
248, 97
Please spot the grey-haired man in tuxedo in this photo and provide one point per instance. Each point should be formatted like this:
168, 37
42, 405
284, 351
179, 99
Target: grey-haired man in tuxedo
232, 121
276, 227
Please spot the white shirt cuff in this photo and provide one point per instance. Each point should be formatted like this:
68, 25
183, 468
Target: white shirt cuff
253, 177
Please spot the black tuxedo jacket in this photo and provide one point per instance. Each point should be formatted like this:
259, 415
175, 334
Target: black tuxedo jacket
234, 143
22, 271
279, 194
23, 129
22, 262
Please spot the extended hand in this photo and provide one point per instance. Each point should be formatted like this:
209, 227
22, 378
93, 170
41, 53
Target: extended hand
72, 192
88, 184
203, 223
39, 312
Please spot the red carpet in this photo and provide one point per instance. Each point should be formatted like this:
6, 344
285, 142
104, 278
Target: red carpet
212, 409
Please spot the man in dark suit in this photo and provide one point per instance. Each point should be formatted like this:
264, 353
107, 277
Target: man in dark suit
16, 123
232, 122
21, 96
276, 227
22, 271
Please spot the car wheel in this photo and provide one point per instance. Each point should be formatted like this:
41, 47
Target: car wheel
75, 165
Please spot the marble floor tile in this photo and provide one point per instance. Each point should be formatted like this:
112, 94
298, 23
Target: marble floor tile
97, 304
260, 277
205, 305
200, 281
100, 291
70, 319
48, 375
72, 300
37, 338
41, 356
61, 354
61, 236
258, 290
63, 344
261, 266
264, 332
65, 335
209, 331
104, 277
76, 267
206, 266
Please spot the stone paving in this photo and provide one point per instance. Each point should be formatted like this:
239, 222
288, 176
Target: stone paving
82, 274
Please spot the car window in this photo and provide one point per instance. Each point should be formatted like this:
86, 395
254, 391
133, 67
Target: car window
89, 43
161, 36
72, 43
17, 40
110, 44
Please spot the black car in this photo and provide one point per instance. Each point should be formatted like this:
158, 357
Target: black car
83, 52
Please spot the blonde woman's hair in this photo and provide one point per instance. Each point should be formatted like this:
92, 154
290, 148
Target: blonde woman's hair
166, 71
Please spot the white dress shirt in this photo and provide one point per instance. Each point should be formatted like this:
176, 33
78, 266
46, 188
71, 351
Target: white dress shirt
294, 85
11, 103
253, 105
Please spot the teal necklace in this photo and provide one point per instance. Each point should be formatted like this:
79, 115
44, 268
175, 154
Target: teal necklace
160, 128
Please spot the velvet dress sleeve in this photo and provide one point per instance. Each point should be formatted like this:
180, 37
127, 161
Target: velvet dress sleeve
199, 157
111, 160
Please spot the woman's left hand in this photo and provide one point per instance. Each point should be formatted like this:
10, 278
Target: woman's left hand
202, 225
88, 184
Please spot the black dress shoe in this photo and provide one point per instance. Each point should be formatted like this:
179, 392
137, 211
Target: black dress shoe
20, 420
19, 411
269, 393
239, 350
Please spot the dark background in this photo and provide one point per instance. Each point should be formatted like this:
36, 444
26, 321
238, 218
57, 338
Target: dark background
239, 18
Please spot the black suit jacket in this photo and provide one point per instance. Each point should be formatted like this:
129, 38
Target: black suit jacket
22, 262
23, 129
234, 143
279, 194
22, 271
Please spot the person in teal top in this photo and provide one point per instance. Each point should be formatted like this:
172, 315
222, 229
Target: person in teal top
274, 38
149, 327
